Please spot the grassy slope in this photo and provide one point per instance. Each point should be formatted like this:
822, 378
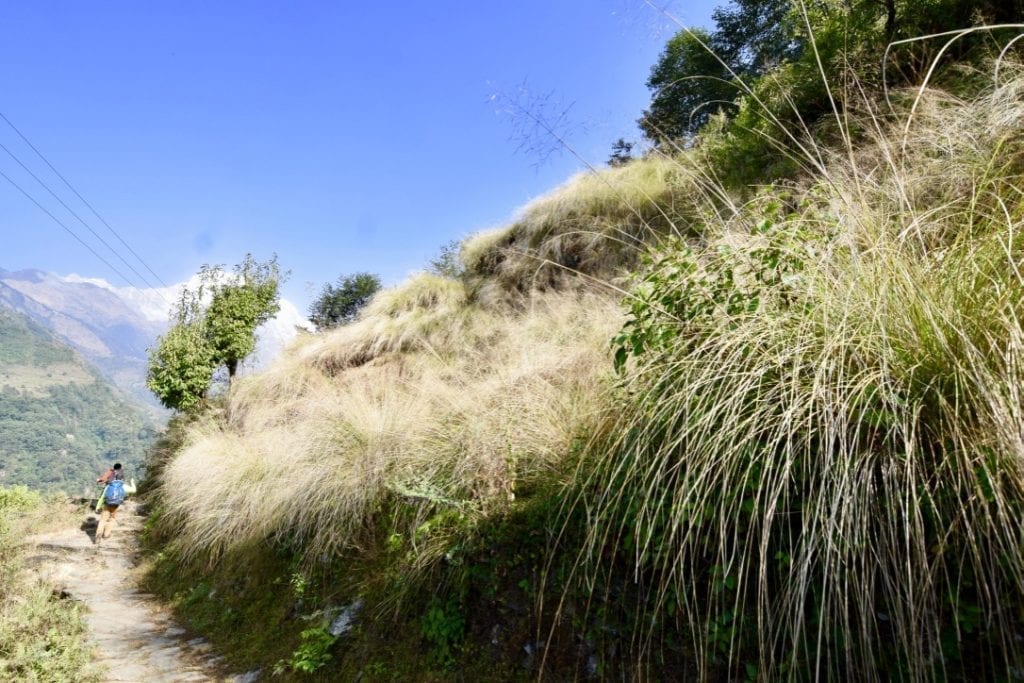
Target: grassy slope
819, 470
35, 381
388, 445
459, 460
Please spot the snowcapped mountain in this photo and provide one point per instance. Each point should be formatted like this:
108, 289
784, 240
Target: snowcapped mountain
155, 306
113, 327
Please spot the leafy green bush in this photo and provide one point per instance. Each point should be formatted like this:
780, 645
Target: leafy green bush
314, 653
17, 499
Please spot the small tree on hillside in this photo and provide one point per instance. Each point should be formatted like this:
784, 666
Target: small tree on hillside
181, 366
183, 363
239, 304
339, 304
622, 153
448, 262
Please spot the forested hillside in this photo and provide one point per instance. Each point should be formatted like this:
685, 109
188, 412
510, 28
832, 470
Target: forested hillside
746, 407
60, 423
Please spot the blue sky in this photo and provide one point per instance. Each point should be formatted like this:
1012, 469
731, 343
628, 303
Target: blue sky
342, 136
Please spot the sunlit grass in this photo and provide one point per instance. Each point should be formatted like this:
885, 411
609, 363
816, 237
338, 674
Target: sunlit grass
817, 466
811, 466
595, 225
41, 638
473, 405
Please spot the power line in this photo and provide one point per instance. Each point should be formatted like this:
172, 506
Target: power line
83, 200
72, 212
66, 228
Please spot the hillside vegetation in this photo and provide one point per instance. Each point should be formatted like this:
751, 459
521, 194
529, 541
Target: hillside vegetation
42, 638
60, 423
662, 426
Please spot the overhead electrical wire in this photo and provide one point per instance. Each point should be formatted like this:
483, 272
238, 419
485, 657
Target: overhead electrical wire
72, 212
66, 228
90, 206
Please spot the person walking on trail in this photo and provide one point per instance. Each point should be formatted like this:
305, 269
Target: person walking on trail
110, 500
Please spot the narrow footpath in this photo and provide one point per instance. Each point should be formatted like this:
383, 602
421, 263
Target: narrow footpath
135, 638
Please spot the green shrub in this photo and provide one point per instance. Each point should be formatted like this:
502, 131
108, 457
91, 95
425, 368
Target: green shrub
314, 653
444, 627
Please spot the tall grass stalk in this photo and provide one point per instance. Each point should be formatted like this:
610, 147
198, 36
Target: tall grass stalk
816, 465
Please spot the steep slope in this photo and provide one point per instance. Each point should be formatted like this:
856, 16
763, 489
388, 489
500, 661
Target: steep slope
60, 423
410, 463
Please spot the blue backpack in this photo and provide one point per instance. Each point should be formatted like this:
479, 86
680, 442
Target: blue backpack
114, 494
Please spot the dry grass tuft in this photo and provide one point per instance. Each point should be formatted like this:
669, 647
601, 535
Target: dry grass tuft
597, 225
428, 312
448, 408
818, 470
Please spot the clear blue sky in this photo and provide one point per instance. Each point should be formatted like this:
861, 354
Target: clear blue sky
342, 136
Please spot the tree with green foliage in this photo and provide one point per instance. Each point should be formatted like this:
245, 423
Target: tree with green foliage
755, 36
221, 334
340, 303
689, 85
182, 364
622, 153
761, 47
448, 262
238, 305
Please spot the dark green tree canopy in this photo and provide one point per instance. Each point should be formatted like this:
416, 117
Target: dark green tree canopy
698, 73
340, 303
622, 153
689, 85
754, 36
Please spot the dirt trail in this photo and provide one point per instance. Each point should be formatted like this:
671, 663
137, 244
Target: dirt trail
135, 639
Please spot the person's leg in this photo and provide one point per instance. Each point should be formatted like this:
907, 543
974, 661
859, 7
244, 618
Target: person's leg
102, 527
111, 511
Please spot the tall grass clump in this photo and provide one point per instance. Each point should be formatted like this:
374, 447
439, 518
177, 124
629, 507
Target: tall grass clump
596, 225
815, 468
428, 405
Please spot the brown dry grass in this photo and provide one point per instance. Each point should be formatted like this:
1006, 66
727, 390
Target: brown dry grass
426, 397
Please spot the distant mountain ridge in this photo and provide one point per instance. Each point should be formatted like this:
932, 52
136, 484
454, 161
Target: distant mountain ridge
113, 327
96, 322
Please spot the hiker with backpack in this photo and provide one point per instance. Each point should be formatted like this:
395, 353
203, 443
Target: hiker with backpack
111, 498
